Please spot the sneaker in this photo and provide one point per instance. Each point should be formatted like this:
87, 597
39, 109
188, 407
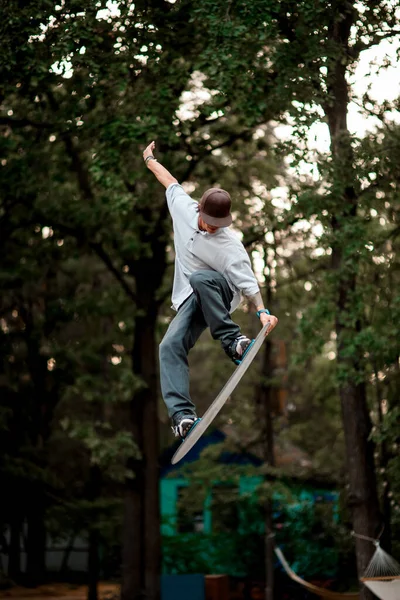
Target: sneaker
239, 348
183, 425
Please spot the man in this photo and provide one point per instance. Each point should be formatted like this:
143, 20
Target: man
212, 271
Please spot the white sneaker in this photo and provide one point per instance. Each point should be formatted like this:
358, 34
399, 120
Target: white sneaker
184, 425
239, 348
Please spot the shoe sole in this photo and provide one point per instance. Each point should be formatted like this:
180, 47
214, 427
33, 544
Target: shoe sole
237, 362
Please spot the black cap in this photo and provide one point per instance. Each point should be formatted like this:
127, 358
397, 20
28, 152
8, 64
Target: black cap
215, 208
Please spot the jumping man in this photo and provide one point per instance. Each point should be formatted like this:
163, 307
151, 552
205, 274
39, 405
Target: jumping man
212, 273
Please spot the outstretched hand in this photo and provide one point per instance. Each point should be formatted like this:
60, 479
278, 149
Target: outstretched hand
162, 174
149, 150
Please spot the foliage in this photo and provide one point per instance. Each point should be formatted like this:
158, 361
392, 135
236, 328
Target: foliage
310, 539
85, 236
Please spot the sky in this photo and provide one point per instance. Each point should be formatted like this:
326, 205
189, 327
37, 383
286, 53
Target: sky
384, 85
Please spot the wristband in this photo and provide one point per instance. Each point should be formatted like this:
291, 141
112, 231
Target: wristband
149, 158
262, 310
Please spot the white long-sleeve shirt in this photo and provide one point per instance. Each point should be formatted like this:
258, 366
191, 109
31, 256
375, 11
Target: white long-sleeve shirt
197, 250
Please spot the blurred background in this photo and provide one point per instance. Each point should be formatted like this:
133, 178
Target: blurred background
293, 108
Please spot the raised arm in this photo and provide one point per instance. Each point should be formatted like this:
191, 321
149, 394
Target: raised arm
162, 174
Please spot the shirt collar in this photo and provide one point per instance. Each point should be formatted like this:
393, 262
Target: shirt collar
195, 224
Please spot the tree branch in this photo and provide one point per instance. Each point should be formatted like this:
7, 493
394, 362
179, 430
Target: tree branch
81, 172
359, 47
88, 195
102, 254
98, 248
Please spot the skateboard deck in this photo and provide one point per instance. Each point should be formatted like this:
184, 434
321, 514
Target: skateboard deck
202, 424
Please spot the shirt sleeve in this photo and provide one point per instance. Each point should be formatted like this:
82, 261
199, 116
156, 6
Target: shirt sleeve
240, 273
178, 201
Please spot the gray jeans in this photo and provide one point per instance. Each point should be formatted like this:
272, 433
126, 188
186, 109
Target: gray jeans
208, 306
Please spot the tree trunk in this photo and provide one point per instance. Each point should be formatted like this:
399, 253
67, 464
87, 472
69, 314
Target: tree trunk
14, 548
36, 537
93, 493
362, 497
45, 398
141, 543
384, 457
269, 459
93, 565
141, 534
266, 419
66, 554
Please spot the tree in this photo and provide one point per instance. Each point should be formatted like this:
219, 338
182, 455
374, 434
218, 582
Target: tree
78, 99
76, 91
296, 58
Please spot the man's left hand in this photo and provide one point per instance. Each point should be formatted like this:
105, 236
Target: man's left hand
149, 150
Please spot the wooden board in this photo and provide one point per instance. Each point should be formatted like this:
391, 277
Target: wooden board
210, 414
